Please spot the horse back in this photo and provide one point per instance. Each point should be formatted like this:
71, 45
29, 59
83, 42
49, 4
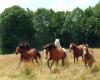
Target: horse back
89, 56
78, 51
32, 52
57, 53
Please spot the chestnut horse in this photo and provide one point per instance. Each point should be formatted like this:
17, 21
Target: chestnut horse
55, 54
77, 51
58, 45
27, 54
88, 57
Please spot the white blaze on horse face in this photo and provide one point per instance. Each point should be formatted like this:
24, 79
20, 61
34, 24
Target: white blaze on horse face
84, 50
17, 50
57, 43
44, 51
70, 46
64, 49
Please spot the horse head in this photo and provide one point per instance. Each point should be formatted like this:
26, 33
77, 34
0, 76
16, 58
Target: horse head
26, 45
85, 49
71, 47
20, 49
57, 43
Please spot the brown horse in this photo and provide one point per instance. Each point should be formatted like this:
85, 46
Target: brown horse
27, 54
88, 57
77, 51
55, 54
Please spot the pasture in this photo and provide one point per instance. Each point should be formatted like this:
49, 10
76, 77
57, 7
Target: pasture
28, 71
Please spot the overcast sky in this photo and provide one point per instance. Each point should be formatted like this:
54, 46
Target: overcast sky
56, 5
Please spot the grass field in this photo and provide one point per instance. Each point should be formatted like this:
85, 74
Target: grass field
28, 71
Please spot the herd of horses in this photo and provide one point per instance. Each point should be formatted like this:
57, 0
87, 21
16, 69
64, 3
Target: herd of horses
55, 53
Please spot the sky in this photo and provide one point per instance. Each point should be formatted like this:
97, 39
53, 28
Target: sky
56, 5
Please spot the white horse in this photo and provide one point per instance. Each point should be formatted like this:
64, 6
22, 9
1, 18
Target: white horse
57, 43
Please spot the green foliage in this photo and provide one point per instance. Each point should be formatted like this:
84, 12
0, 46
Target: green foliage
44, 26
16, 26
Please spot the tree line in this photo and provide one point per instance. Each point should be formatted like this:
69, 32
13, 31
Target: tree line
44, 26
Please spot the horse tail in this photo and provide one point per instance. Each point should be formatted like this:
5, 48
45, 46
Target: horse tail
93, 59
38, 55
92, 55
64, 52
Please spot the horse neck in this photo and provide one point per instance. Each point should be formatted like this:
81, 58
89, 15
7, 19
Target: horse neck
87, 52
74, 47
87, 55
24, 52
52, 50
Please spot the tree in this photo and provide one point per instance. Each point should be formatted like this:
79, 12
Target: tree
91, 28
57, 24
16, 26
42, 23
77, 20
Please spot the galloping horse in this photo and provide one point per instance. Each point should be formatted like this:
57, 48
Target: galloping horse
88, 56
77, 51
55, 54
27, 54
58, 45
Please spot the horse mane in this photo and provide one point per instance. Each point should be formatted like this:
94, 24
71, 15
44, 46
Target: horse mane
49, 46
25, 44
73, 44
22, 47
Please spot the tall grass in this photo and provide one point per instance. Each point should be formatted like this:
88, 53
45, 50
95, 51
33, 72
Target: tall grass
29, 71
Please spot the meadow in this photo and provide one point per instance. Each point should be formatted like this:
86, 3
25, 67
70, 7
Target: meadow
29, 71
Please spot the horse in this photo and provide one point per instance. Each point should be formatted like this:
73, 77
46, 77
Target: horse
58, 45
55, 54
77, 51
88, 57
27, 54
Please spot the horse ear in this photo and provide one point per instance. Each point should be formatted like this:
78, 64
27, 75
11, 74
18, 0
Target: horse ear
43, 47
72, 43
87, 45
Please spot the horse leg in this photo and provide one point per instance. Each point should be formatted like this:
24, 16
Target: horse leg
48, 63
77, 59
90, 64
36, 60
33, 61
82, 57
63, 62
46, 55
57, 62
74, 59
51, 64
86, 64
18, 65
